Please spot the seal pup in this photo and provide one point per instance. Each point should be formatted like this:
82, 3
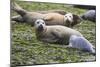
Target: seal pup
61, 35
68, 19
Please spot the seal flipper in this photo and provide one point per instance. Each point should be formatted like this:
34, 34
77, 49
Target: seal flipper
18, 9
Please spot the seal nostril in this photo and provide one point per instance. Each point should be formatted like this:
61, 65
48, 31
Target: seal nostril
41, 27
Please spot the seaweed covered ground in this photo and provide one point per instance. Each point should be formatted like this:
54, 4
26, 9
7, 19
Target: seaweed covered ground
27, 50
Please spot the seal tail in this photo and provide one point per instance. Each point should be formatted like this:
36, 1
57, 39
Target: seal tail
81, 43
18, 9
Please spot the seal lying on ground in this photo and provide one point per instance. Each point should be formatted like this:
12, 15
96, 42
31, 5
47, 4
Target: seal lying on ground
89, 15
61, 35
52, 18
18, 18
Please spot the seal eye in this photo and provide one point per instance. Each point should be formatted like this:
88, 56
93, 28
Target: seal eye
65, 16
43, 22
37, 22
70, 16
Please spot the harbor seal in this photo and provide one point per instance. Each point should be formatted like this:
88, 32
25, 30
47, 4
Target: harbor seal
52, 18
55, 33
89, 15
62, 35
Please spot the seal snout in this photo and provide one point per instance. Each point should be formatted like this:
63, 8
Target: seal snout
40, 27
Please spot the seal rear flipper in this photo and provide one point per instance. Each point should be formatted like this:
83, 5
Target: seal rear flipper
18, 9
